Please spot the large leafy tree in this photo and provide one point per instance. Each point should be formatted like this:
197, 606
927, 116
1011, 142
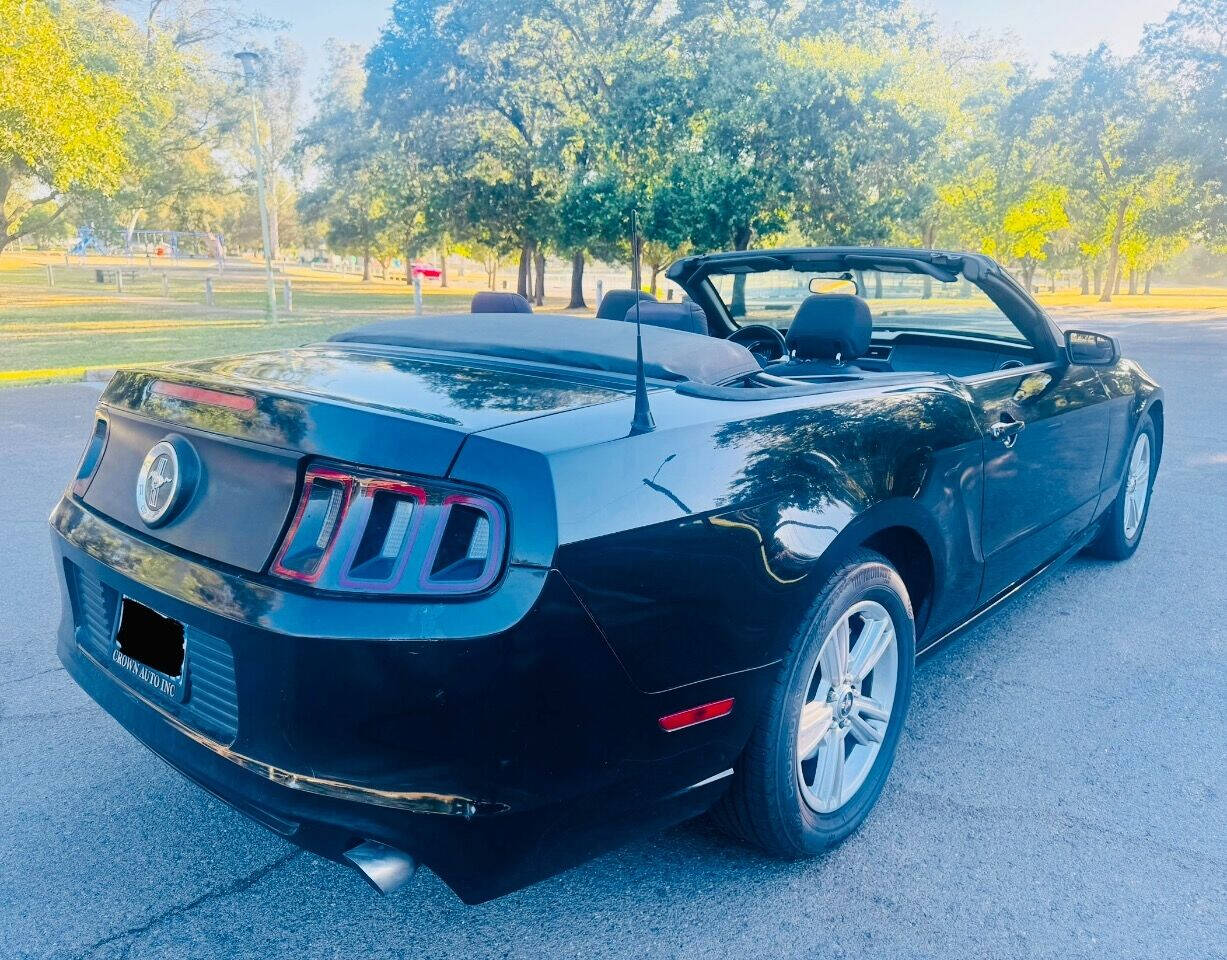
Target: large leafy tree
535, 126
55, 147
491, 65
352, 160
1110, 130
1186, 54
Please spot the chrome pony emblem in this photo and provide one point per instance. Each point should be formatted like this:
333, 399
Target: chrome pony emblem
164, 482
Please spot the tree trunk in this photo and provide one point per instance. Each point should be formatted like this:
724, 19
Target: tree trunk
1085, 288
656, 268
577, 282
877, 284
1146, 290
1113, 278
1098, 278
274, 219
443, 264
1052, 281
523, 276
383, 269
539, 296
366, 262
1120, 276
738, 307
741, 241
1028, 272
1133, 281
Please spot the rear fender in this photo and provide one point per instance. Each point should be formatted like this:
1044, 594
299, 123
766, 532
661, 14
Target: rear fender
723, 590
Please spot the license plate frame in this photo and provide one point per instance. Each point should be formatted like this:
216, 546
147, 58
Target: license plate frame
145, 645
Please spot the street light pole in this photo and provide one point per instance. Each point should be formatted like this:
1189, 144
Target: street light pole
249, 59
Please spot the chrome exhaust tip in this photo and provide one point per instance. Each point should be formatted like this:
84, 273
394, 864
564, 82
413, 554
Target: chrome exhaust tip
384, 868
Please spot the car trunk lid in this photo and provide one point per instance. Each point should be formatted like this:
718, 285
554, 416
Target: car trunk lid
252, 420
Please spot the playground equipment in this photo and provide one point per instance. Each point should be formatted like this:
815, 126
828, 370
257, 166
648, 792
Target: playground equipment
87, 240
176, 243
151, 242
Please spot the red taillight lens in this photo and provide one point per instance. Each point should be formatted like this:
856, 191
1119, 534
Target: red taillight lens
392, 514
363, 533
466, 554
313, 532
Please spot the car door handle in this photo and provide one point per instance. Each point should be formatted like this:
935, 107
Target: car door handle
1006, 430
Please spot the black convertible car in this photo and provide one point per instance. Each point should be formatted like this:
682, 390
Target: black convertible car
489, 593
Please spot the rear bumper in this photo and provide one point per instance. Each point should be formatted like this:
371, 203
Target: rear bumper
496, 759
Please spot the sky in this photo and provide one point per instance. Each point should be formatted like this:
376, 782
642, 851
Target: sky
1040, 26
1062, 26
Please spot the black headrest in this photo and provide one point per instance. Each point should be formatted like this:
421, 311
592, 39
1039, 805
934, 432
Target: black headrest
827, 324
492, 301
613, 305
686, 316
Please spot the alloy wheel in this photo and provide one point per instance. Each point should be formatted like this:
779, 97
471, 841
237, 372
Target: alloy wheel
847, 709
1137, 487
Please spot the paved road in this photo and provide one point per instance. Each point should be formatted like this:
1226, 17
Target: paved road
1060, 789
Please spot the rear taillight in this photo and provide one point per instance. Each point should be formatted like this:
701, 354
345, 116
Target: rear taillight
90, 458
316, 524
363, 533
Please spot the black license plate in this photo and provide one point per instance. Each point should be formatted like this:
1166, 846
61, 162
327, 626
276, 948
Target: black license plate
150, 647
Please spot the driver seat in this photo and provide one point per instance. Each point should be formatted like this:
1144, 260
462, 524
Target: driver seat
828, 334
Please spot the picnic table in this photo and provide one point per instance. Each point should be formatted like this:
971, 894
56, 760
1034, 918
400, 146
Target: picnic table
109, 274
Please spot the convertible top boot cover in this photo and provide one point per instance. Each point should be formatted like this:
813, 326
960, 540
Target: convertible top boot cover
602, 345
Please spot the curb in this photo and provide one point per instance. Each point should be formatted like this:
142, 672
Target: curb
23, 378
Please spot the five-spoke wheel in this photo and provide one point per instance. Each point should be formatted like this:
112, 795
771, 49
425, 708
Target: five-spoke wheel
1137, 486
1124, 521
848, 706
825, 740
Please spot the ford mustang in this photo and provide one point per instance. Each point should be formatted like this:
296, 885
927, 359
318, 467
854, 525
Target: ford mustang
492, 592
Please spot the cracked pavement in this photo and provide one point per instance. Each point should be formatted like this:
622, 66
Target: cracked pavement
1060, 788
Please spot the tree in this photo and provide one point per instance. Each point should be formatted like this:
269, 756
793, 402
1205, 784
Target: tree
190, 127
351, 197
1109, 130
278, 85
1158, 226
1007, 195
1186, 55
490, 65
54, 148
1031, 226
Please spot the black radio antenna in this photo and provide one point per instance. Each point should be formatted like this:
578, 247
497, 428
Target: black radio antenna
642, 422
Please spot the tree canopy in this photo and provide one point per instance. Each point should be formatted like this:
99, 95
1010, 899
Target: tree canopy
512, 130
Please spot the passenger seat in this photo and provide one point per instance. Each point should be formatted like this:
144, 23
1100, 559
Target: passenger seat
829, 332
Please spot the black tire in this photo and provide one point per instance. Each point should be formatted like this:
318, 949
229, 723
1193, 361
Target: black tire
765, 804
1111, 542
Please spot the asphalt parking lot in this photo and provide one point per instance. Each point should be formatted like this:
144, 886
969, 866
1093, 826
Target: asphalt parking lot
1060, 788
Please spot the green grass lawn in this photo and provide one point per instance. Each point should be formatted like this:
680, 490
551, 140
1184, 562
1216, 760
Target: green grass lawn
58, 332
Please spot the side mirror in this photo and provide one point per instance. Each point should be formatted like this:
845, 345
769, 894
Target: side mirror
1095, 349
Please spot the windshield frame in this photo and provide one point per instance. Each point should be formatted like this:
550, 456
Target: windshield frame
695, 275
